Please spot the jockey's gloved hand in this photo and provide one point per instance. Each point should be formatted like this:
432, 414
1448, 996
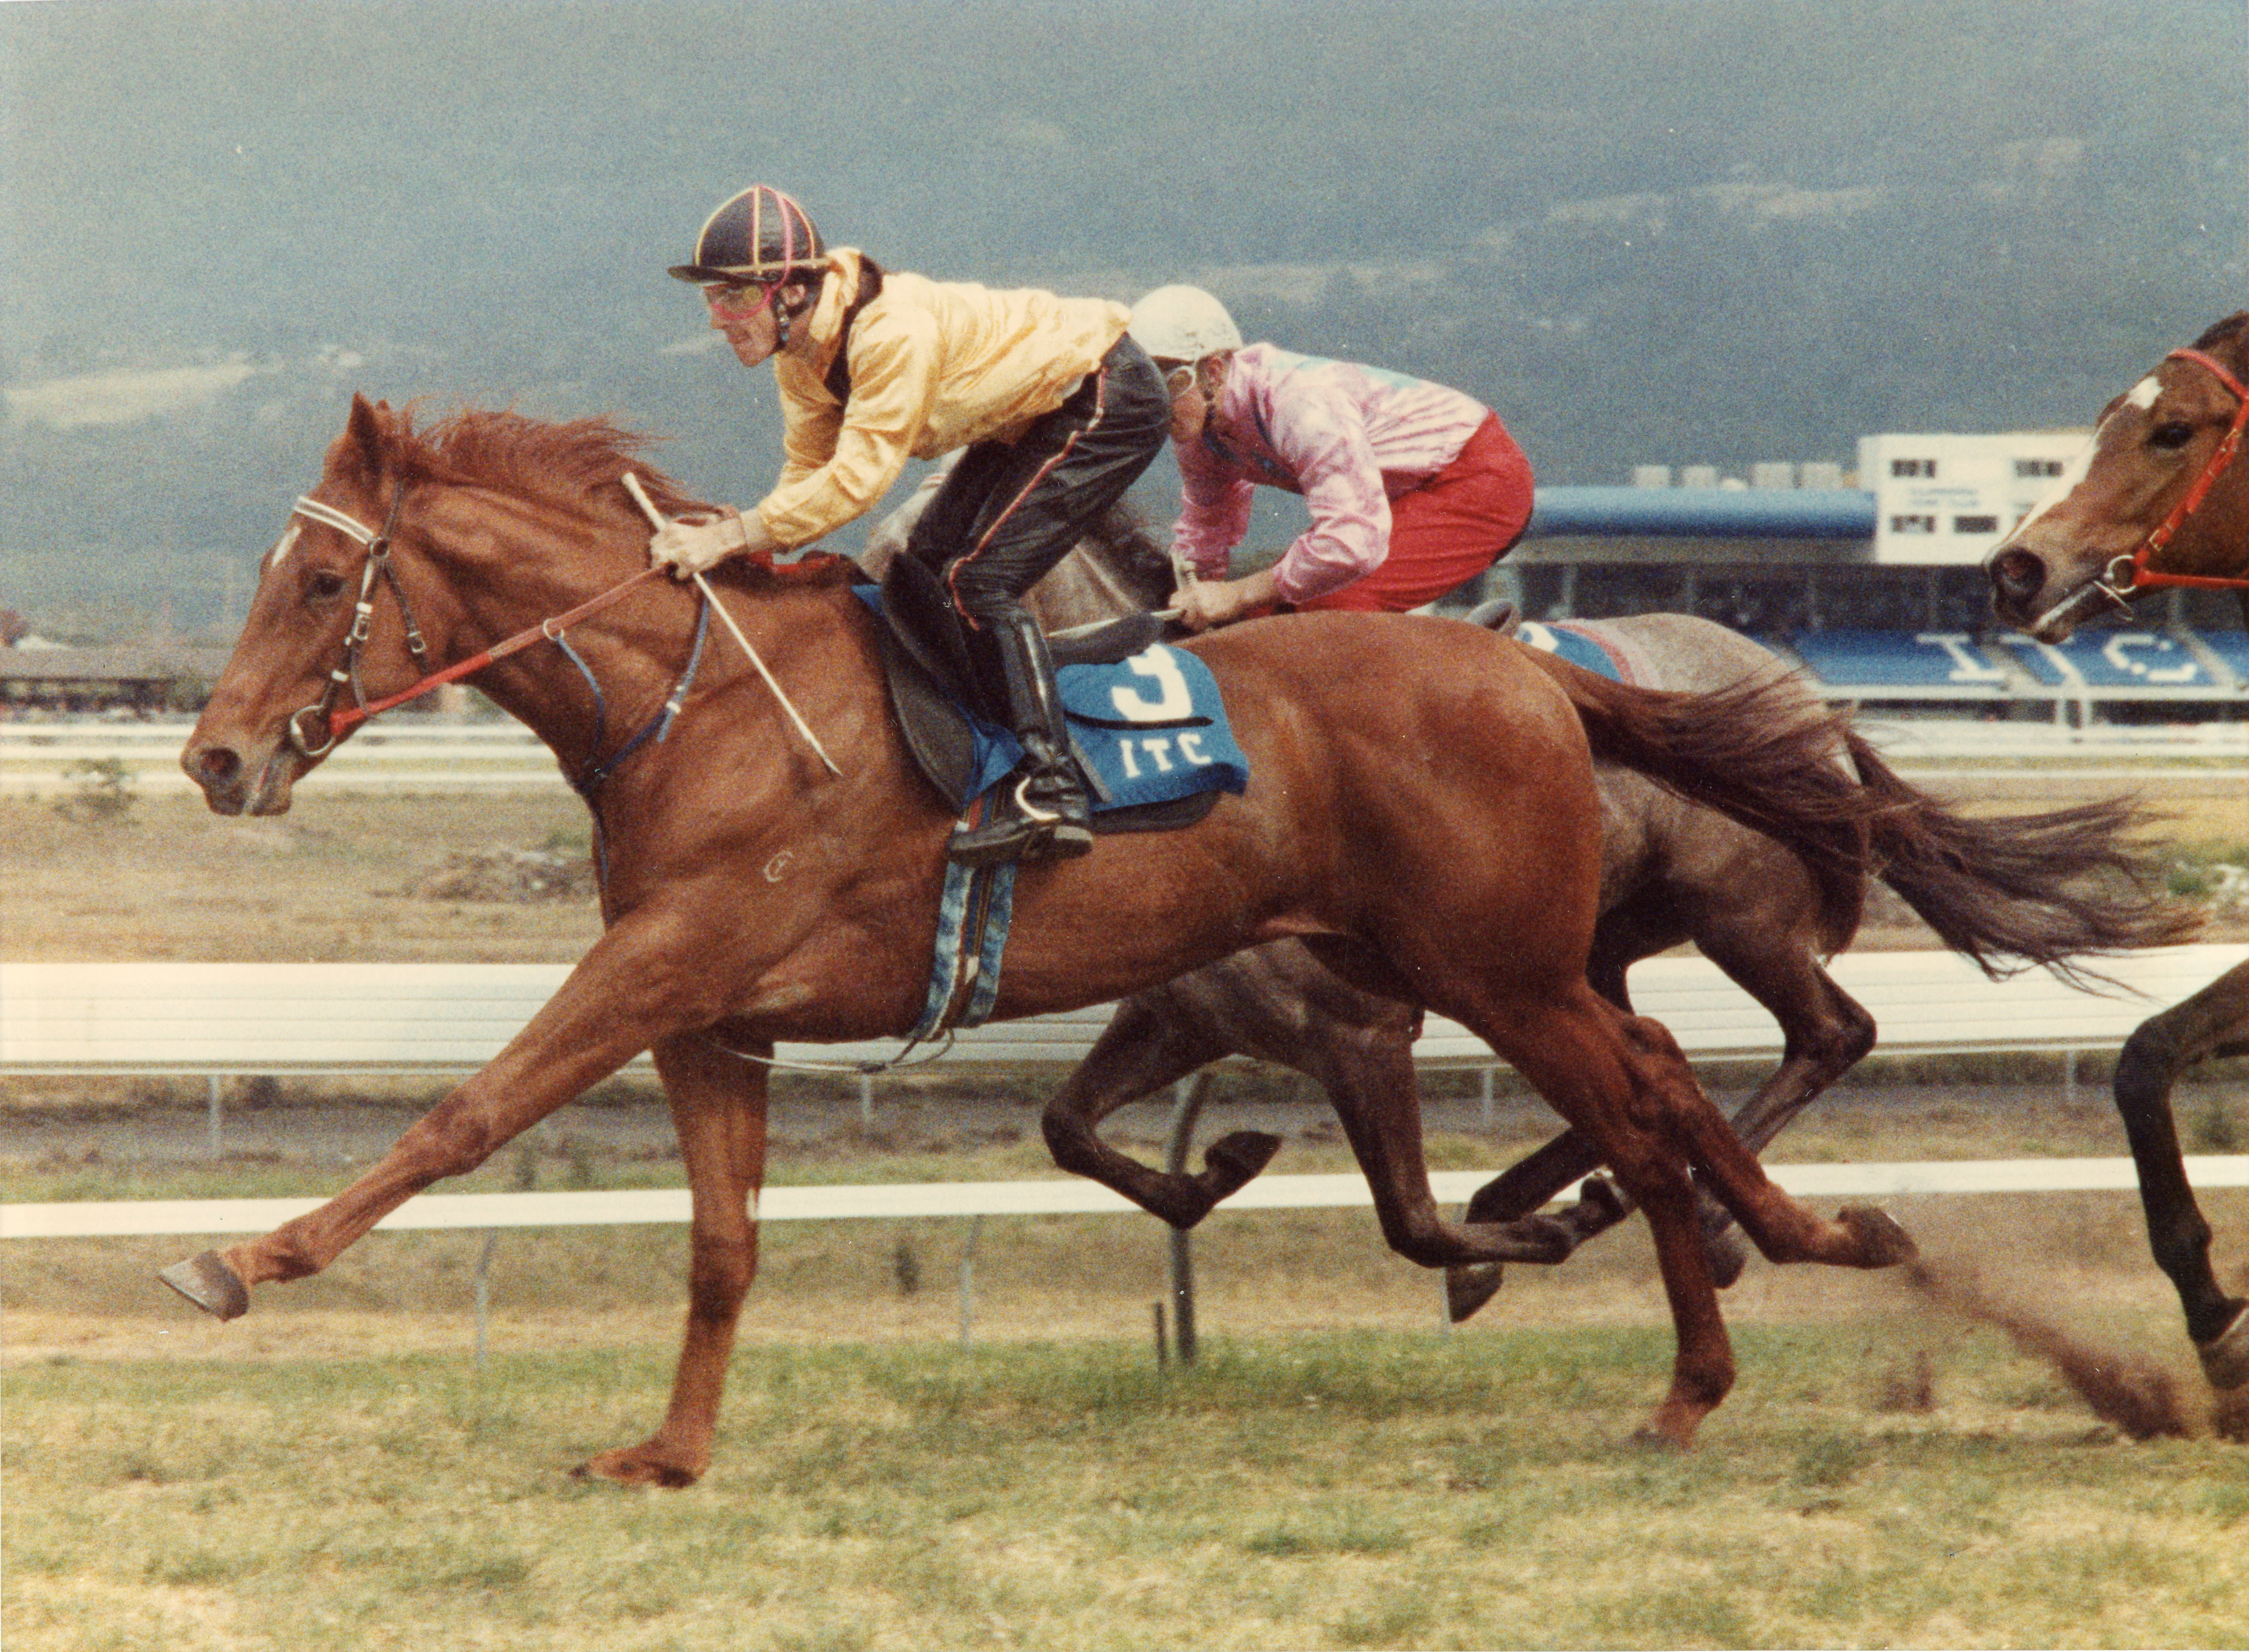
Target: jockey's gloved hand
689, 548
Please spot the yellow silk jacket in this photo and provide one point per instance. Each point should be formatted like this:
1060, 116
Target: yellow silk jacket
934, 366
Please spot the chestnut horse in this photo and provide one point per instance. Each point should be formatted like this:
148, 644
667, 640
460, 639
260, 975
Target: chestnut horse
2012, 893
2161, 500
1421, 806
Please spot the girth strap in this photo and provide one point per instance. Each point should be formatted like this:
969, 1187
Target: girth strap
972, 916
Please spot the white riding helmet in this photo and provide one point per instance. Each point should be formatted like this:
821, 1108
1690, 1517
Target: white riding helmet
1182, 324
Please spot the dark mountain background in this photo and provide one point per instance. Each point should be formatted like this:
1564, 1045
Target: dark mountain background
1707, 231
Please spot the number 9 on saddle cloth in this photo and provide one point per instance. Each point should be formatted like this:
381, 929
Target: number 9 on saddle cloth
1147, 721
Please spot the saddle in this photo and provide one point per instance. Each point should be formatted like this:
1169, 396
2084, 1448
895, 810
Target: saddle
945, 718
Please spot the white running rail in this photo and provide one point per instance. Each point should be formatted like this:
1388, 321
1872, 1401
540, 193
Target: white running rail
143, 1218
38, 758
215, 1019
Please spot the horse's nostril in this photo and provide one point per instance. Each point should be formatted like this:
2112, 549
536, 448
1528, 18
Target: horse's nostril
2017, 573
216, 764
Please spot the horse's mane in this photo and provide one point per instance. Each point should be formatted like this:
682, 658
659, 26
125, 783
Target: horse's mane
1120, 541
561, 463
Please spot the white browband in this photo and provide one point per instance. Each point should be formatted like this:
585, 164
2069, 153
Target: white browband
328, 516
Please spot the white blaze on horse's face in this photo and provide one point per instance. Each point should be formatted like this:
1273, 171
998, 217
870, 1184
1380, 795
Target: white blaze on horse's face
280, 551
2072, 474
2141, 395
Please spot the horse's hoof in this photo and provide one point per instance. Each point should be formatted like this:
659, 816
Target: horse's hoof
1727, 1256
210, 1285
1881, 1242
1469, 1285
2226, 1356
1240, 1155
1601, 1205
634, 1466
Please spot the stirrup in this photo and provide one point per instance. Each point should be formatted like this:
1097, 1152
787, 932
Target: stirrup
1021, 830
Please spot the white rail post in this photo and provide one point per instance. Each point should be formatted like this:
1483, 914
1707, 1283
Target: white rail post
968, 1280
491, 1248
526, 1180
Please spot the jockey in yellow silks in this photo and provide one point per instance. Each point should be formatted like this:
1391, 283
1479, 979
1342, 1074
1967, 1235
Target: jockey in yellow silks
1057, 409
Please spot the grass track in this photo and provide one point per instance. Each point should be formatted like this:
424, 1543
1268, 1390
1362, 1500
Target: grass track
1348, 1490
270, 1484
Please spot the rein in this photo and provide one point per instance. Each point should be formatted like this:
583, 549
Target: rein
2126, 575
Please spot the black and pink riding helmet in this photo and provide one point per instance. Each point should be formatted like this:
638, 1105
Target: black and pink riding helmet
756, 238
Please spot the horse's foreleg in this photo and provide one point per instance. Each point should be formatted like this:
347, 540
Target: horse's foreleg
618, 1000
1376, 1097
1150, 1042
2160, 1049
719, 1110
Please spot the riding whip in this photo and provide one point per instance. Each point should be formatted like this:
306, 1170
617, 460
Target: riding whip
657, 519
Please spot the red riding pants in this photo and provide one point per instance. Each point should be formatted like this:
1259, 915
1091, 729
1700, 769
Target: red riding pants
1448, 529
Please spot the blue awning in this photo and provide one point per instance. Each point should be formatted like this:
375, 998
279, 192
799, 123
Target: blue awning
1703, 513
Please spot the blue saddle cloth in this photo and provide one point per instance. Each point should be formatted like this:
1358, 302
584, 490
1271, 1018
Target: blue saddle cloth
1152, 727
1568, 643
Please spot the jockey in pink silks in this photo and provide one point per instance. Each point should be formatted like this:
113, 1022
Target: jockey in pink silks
1414, 488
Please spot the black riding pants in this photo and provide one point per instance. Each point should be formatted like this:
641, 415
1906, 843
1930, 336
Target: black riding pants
1009, 510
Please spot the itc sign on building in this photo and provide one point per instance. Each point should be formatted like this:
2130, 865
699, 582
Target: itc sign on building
1948, 499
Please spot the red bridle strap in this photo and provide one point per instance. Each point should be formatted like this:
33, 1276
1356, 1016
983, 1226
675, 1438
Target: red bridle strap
2228, 449
352, 717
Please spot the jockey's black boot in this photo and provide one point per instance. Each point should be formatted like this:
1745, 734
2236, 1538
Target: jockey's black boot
1040, 811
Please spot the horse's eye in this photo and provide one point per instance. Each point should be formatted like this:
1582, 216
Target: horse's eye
2171, 437
324, 584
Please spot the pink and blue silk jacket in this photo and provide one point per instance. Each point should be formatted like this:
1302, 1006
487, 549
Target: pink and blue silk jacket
1350, 438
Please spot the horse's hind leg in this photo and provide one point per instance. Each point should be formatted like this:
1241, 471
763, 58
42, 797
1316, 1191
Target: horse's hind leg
1153, 1040
2213, 1021
1783, 1228
1826, 1032
1607, 1086
1622, 1082
719, 1110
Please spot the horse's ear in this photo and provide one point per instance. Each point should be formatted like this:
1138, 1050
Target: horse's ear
366, 439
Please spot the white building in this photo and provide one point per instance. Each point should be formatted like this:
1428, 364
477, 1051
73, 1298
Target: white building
1942, 499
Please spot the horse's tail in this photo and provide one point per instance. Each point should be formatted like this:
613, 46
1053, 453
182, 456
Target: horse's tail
1759, 753
2019, 891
